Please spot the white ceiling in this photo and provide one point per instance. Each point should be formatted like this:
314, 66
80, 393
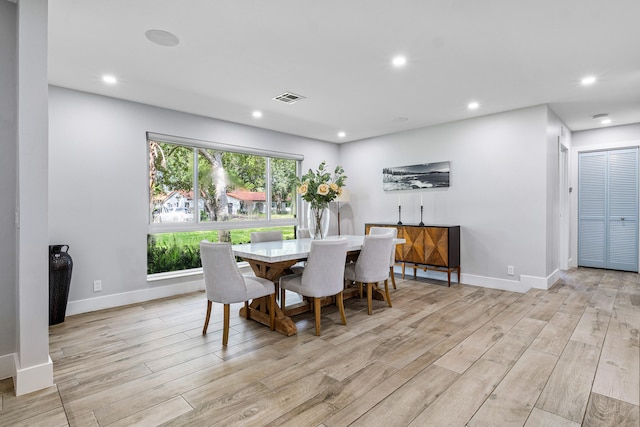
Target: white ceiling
235, 56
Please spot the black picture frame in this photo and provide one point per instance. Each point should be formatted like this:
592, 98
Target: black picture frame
416, 177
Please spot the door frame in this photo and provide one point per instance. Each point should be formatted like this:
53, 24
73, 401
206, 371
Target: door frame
575, 154
576, 151
564, 249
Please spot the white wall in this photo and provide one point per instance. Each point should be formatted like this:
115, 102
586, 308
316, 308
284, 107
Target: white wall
605, 138
34, 369
499, 191
98, 187
8, 145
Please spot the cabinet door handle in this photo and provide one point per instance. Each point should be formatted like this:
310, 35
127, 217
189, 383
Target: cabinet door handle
621, 218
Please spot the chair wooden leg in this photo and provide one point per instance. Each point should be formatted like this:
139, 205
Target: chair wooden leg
369, 298
393, 277
272, 311
246, 309
360, 289
340, 303
316, 309
386, 291
206, 319
282, 302
225, 325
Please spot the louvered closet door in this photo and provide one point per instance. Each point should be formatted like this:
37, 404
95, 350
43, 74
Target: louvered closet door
608, 209
623, 210
592, 185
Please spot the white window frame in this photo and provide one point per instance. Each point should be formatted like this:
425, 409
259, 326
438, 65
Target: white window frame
196, 225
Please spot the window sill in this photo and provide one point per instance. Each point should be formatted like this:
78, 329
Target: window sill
158, 277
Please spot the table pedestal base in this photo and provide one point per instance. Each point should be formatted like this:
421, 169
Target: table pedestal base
258, 311
259, 307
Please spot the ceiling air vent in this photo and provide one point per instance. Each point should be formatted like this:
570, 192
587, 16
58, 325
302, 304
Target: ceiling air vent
289, 98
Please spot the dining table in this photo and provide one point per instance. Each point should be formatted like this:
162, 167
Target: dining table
272, 260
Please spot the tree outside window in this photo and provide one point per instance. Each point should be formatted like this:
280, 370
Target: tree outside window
253, 191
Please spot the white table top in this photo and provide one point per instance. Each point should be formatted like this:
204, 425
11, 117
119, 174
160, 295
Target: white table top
287, 250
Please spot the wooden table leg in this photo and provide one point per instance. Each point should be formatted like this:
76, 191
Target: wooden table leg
259, 307
259, 311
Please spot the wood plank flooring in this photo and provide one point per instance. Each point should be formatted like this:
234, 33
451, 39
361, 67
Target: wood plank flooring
459, 356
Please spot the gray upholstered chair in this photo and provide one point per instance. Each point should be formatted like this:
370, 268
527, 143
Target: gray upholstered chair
392, 260
270, 236
303, 233
225, 284
372, 266
323, 276
266, 236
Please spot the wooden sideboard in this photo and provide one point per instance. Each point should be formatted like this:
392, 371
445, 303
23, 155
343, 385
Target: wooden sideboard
428, 247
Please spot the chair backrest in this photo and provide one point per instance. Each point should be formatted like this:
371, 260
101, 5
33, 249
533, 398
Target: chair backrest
266, 236
303, 233
373, 262
387, 230
324, 273
223, 281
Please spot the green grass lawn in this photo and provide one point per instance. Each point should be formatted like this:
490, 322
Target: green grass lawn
193, 238
181, 250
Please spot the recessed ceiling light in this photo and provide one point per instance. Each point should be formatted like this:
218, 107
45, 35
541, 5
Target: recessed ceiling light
399, 61
341, 134
109, 79
588, 80
473, 105
257, 114
605, 121
162, 38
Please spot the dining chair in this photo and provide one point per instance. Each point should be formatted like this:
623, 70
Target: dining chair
372, 266
225, 284
269, 236
303, 233
266, 236
392, 260
323, 276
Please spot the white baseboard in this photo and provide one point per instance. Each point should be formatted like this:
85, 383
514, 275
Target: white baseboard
33, 378
157, 291
523, 285
553, 278
7, 366
125, 298
495, 283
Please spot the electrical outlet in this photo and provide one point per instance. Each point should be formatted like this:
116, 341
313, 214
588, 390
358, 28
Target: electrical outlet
97, 285
510, 270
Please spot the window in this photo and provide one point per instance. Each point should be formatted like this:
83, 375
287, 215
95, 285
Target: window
216, 191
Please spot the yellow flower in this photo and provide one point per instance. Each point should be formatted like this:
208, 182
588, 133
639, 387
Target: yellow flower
323, 189
340, 191
334, 187
302, 190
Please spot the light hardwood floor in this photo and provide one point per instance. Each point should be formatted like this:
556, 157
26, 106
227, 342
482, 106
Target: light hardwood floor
440, 357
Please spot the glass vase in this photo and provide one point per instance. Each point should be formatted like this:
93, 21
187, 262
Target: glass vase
319, 222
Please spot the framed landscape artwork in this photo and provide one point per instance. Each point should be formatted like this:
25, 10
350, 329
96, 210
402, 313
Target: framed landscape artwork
415, 177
